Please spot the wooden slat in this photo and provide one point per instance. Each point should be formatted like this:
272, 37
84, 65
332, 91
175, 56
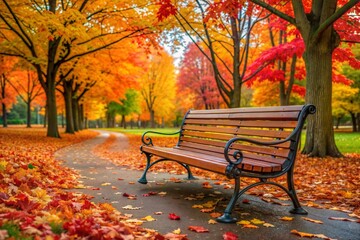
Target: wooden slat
244, 123
251, 148
252, 109
218, 152
239, 131
204, 161
260, 116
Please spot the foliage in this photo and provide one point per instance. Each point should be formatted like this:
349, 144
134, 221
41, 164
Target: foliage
33, 200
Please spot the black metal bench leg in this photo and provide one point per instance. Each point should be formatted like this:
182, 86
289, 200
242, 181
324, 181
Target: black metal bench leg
226, 217
190, 175
143, 179
292, 194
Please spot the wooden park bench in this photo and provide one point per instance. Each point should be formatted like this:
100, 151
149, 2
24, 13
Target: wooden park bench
238, 142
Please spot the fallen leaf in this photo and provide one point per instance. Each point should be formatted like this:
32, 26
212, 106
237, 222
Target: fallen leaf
287, 218
130, 207
343, 219
243, 222
230, 236
312, 220
268, 225
173, 216
302, 234
215, 214
148, 218
106, 184
212, 221
198, 229
249, 226
257, 221
207, 210
177, 231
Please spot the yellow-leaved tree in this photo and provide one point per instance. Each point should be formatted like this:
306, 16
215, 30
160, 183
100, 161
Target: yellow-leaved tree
158, 87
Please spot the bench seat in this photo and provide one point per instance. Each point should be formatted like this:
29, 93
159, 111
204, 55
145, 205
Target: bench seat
213, 163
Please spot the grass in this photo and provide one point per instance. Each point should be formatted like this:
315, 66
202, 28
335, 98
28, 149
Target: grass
347, 142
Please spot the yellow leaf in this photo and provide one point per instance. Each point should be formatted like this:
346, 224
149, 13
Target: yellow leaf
41, 194
212, 221
257, 221
177, 231
149, 218
287, 218
3, 165
106, 184
198, 206
243, 222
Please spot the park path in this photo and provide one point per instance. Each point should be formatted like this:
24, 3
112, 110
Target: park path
107, 182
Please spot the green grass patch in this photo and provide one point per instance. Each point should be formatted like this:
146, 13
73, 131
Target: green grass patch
140, 131
347, 142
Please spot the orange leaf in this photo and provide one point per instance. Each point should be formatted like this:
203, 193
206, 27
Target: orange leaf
198, 229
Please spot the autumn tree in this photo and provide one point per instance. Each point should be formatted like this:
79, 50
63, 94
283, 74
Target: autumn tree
158, 85
7, 97
223, 32
27, 86
323, 24
51, 33
196, 76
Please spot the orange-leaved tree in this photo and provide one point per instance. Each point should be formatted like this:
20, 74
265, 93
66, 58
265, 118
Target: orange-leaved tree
51, 33
7, 95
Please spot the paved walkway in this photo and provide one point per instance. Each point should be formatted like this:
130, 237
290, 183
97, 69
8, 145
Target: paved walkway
108, 182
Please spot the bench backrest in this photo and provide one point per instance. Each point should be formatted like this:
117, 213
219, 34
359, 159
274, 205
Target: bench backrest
207, 131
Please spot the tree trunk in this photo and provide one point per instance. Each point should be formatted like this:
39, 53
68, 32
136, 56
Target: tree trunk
81, 116
45, 117
28, 114
358, 121
338, 119
353, 121
123, 121
320, 139
75, 111
52, 121
4, 115
152, 118
68, 107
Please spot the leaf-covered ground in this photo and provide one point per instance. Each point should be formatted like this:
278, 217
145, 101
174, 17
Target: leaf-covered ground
34, 203
331, 183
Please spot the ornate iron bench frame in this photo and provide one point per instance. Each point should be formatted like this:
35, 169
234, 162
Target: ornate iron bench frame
234, 159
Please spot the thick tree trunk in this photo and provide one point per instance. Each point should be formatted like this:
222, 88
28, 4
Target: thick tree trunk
123, 121
68, 107
152, 118
4, 115
52, 121
75, 111
358, 121
28, 114
81, 116
353, 120
320, 140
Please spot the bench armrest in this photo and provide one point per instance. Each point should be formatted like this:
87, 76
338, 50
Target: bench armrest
238, 155
146, 140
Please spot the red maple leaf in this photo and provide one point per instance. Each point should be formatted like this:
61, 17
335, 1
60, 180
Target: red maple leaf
230, 236
173, 216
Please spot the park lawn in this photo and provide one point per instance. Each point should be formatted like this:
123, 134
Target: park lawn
347, 142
